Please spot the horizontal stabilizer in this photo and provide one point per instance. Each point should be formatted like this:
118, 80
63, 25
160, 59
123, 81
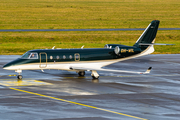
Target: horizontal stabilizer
154, 44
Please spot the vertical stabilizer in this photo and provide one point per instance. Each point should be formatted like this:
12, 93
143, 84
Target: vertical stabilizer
148, 36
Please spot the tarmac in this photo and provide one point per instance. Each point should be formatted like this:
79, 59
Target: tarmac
63, 95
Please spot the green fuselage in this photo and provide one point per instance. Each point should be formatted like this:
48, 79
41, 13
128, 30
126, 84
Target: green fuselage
76, 55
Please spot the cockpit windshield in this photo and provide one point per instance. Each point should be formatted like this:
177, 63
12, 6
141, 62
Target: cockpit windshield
30, 55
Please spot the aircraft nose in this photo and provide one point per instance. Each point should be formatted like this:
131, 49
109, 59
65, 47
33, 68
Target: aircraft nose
7, 66
11, 65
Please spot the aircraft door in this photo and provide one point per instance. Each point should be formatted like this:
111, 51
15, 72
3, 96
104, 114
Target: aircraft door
77, 57
43, 60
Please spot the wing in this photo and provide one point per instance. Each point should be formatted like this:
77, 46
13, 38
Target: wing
108, 70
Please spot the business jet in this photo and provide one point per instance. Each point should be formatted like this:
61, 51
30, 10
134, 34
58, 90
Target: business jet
92, 59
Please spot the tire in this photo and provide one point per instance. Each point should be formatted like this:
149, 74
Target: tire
95, 77
81, 73
19, 77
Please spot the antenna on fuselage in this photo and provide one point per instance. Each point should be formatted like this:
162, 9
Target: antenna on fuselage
82, 47
53, 47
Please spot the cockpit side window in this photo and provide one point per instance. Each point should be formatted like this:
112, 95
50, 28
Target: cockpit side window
33, 56
26, 55
30, 55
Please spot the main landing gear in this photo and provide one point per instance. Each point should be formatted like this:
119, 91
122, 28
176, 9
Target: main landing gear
19, 76
81, 73
94, 74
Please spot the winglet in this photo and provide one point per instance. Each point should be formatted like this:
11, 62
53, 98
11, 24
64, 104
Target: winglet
148, 70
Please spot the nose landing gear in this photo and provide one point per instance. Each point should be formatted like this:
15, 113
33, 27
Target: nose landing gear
19, 72
19, 77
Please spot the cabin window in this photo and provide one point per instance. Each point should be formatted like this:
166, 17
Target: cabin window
64, 57
70, 57
51, 57
57, 57
30, 55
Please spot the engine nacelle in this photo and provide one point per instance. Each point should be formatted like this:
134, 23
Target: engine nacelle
126, 50
123, 50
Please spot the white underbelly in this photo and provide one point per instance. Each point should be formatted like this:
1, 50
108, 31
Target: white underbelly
60, 65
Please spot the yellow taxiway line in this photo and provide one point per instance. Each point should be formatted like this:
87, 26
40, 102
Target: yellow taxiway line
89, 106
12, 82
7, 75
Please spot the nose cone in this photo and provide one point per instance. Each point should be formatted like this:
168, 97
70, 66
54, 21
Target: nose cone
11, 65
7, 66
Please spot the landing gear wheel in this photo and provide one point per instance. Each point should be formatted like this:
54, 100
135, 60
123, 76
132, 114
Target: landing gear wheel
95, 77
81, 73
19, 77
94, 74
